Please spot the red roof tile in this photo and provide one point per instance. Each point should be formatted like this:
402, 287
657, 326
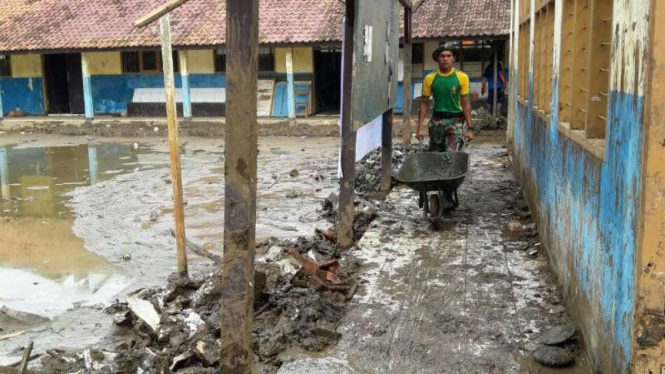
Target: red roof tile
461, 18
40, 25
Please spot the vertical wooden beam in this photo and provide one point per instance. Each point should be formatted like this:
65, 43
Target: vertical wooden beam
406, 81
87, 88
598, 76
495, 78
580, 62
291, 97
536, 61
566, 61
237, 309
174, 147
386, 150
348, 156
93, 170
4, 175
186, 91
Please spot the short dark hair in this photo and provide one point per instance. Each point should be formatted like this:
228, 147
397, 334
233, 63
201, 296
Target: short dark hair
441, 49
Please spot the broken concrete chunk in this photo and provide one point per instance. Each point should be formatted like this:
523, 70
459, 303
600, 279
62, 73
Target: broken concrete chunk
292, 194
558, 335
122, 318
553, 356
515, 226
181, 360
145, 311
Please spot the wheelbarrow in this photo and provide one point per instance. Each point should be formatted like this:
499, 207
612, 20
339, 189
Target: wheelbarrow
436, 176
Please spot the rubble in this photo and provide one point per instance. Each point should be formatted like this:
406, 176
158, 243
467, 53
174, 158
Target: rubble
368, 170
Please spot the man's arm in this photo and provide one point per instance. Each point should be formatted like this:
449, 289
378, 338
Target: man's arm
483, 86
503, 78
422, 112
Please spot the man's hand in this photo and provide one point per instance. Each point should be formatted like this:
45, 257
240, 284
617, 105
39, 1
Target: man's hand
469, 135
419, 133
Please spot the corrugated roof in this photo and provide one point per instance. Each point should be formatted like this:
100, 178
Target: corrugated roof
38, 25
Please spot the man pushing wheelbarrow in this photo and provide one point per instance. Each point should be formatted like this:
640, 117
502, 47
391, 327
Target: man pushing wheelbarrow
437, 174
450, 124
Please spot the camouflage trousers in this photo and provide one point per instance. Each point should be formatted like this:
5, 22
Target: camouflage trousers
446, 134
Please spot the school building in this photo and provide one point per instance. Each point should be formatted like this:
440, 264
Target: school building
587, 133
84, 57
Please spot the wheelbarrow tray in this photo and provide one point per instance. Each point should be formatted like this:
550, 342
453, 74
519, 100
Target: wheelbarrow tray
434, 171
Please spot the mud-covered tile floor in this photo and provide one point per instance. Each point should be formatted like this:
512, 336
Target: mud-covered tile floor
472, 297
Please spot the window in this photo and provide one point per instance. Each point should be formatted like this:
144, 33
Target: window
417, 53
220, 60
585, 49
266, 59
146, 62
543, 45
5, 66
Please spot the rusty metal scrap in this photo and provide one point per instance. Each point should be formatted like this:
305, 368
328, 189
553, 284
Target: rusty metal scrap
322, 276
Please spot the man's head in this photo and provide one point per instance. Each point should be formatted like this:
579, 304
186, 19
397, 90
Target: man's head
444, 57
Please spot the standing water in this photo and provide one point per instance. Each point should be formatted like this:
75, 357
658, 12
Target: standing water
45, 268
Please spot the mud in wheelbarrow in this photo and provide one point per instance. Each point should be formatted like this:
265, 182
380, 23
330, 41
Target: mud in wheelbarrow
440, 172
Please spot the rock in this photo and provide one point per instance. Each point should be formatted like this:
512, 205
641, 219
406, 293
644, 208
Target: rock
154, 215
209, 292
553, 356
515, 226
126, 256
275, 253
292, 194
208, 351
122, 319
294, 173
558, 335
144, 311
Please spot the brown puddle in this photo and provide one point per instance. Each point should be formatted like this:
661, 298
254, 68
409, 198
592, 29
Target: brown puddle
49, 268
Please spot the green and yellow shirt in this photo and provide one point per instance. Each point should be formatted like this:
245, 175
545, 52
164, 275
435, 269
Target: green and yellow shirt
447, 90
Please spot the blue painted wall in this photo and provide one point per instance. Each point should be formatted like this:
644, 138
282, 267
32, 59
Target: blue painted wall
588, 212
24, 93
112, 93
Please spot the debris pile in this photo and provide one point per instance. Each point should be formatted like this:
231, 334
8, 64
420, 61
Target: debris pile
368, 170
301, 287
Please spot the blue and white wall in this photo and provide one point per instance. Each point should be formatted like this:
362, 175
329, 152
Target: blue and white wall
586, 193
25, 88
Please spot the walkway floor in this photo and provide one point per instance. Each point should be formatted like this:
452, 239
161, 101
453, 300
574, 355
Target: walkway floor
469, 298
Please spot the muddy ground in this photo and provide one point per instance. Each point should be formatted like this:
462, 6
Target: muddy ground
126, 220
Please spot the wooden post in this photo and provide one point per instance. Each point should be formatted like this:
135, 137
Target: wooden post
291, 96
237, 292
406, 81
495, 80
158, 12
2, 111
172, 122
386, 150
348, 156
93, 170
87, 88
4, 175
184, 77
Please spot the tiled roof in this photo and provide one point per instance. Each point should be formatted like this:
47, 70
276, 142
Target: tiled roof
41, 25
461, 18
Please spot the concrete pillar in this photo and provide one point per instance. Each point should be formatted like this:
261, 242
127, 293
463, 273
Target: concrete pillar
92, 165
291, 85
4, 175
2, 111
87, 88
186, 91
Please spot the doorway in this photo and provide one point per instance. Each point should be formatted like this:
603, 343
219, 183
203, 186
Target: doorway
64, 83
328, 72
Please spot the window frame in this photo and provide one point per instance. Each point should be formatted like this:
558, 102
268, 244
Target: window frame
159, 62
